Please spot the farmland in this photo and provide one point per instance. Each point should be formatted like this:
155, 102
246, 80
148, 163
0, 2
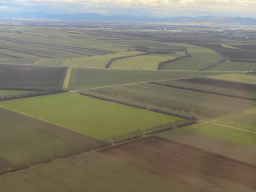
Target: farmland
237, 90
236, 78
174, 161
201, 57
203, 105
234, 66
33, 78
90, 172
24, 144
144, 62
85, 78
89, 116
126, 123
97, 61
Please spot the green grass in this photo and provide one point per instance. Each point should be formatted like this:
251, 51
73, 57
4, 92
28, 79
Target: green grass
201, 57
143, 62
85, 78
234, 66
225, 130
89, 116
241, 78
87, 172
98, 61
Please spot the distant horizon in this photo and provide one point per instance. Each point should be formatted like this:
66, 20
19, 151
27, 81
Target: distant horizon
150, 8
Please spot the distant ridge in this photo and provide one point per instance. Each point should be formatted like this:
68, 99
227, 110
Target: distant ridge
129, 18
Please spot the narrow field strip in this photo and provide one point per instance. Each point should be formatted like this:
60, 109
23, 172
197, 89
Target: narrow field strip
67, 78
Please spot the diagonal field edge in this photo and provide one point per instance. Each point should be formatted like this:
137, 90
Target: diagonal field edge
52, 128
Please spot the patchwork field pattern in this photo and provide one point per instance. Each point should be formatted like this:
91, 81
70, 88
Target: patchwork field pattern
143, 62
234, 66
26, 141
93, 117
203, 105
98, 61
33, 78
86, 78
201, 57
241, 78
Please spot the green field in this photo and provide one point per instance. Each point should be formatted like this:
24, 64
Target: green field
85, 78
228, 46
98, 61
234, 66
89, 116
23, 144
144, 62
87, 172
241, 78
201, 57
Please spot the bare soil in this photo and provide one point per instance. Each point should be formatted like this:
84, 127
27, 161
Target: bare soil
186, 165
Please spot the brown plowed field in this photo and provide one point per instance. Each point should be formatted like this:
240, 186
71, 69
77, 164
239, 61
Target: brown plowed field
220, 83
186, 165
55, 129
29, 77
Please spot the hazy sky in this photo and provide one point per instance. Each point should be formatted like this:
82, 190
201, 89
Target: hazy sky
136, 7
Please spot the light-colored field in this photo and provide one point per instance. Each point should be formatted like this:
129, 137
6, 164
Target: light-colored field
89, 116
234, 66
67, 79
98, 61
144, 62
87, 172
241, 78
228, 46
50, 61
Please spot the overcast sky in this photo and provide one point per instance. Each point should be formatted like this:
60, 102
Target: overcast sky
158, 8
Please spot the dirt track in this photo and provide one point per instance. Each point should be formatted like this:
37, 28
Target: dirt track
186, 165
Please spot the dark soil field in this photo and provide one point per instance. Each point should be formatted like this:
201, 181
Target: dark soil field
34, 78
186, 165
221, 83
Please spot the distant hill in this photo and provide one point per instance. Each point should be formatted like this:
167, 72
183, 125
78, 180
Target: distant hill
208, 20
